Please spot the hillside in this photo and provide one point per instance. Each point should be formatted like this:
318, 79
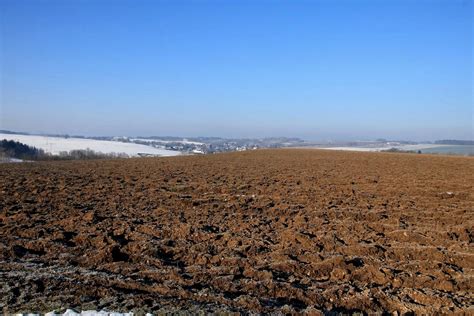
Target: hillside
57, 145
261, 231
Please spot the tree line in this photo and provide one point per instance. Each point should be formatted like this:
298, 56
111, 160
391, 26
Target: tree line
14, 149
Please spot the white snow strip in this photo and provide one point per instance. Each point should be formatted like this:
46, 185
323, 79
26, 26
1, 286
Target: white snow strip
9, 160
352, 148
399, 147
55, 145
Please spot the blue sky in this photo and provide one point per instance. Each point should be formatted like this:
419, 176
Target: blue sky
312, 69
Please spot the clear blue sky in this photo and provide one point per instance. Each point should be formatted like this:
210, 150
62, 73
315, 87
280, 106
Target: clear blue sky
312, 69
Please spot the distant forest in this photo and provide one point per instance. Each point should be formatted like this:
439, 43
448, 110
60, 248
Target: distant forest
13, 149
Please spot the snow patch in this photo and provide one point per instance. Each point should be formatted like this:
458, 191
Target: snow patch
9, 160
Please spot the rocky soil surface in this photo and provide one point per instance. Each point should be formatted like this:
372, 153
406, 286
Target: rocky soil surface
291, 231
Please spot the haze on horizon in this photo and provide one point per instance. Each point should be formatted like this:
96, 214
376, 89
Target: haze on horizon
311, 69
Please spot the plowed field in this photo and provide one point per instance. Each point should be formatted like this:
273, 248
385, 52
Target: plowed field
292, 231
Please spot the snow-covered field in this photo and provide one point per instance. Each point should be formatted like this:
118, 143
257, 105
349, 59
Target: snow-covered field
399, 147
55, 145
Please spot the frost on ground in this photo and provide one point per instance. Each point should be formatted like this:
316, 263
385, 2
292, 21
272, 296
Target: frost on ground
56, 145
71, 312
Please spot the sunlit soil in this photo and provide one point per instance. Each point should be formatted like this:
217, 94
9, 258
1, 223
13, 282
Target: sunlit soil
261, 231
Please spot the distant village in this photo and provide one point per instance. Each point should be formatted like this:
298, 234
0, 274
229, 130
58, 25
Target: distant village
209, 145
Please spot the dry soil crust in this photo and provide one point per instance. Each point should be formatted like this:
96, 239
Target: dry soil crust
263, 231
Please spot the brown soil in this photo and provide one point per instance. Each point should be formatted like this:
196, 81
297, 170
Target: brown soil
264, 231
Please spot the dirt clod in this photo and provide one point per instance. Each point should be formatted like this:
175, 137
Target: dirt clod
283, 231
